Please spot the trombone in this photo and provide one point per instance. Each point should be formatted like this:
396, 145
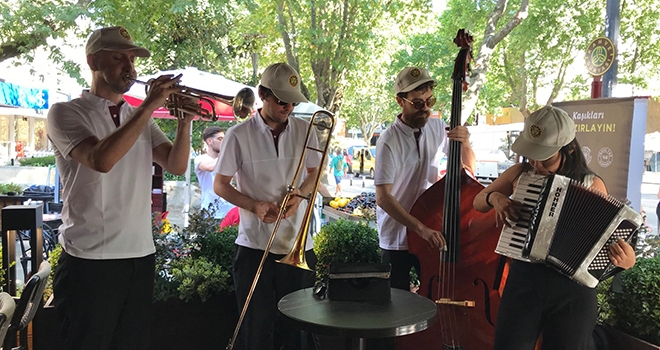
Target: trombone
179, 103
321, 126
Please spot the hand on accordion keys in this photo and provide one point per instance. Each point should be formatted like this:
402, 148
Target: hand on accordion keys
622, 254
507, 210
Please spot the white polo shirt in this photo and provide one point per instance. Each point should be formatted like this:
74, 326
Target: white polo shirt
263, 173
409, 171
105, 215
209, 198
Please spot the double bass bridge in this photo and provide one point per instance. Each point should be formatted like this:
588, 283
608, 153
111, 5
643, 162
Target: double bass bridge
463, 303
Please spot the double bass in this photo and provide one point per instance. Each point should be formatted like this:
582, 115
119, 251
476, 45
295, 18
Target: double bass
462, 279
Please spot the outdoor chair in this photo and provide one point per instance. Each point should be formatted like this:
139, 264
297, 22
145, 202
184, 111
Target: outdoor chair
7, 307
26, 307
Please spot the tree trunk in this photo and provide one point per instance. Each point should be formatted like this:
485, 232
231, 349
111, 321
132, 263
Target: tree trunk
491, 38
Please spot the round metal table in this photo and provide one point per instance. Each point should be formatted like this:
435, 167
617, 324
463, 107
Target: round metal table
405, 313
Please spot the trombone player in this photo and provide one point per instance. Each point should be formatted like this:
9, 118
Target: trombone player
262, 154
104, 149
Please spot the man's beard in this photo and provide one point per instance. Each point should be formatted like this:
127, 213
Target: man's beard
418, 120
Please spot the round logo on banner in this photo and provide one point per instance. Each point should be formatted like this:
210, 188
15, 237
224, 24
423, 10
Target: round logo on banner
587, 154
605, 157
600, 56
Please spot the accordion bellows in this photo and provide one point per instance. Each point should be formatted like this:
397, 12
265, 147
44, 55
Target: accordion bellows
567, 226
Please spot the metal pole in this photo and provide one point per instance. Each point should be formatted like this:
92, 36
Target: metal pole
613, 13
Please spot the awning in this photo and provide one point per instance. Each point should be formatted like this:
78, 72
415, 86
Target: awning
194, 78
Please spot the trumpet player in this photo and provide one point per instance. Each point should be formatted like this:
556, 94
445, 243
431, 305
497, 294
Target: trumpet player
104, 149
262, 154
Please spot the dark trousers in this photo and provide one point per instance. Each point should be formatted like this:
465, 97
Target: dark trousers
105, 304
401, 261
262, 328
539, 300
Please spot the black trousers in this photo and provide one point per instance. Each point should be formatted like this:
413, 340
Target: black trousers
262, 328
402, 261
105, 304
539, 300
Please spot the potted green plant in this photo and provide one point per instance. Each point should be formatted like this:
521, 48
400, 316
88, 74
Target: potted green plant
344, 241
194, 301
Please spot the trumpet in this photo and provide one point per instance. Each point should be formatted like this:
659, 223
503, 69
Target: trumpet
179, 103
321, 126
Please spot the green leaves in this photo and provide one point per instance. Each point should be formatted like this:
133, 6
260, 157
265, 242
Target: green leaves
195, 261
344, 241
637, 309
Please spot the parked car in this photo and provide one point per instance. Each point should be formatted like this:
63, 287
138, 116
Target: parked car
364, 161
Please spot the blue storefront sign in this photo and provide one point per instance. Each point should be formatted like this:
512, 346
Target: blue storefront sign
23, 97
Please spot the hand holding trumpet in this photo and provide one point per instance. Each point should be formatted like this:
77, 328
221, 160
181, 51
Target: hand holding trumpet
159, 90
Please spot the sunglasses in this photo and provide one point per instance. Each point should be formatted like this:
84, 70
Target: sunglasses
282, 103
419, 104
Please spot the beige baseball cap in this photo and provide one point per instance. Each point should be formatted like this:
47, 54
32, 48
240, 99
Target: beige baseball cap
284, 82
113, 39
410, 78
546, 131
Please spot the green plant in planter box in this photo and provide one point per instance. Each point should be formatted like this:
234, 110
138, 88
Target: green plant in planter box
195, 261
190, 262
344, 241
636, 311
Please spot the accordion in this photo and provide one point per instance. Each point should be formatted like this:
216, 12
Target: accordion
567, 226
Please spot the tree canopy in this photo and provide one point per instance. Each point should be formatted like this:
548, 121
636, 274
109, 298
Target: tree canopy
527, 52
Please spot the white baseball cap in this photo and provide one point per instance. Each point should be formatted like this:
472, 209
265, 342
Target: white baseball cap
284, 82
113, 39
546, 131
410, 78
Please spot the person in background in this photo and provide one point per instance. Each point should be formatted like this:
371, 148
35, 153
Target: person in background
104, 149
349, 161
205, 163
538, 299
338, 166
263, 154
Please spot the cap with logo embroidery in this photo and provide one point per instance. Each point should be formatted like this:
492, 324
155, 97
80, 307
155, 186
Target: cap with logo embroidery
410, 78
113, 39
284, 82
545, 132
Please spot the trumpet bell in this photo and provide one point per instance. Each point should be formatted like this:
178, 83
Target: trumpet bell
243, 103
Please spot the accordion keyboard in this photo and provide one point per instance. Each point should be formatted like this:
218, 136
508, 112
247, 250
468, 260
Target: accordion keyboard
512, 241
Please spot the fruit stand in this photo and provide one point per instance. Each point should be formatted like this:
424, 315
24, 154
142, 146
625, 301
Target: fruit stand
359, 208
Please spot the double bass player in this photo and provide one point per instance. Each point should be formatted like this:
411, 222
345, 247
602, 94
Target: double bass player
408, 156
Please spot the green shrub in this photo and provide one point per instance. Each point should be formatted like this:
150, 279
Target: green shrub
199, 277
194, 261
637, 310
11, 187
344, 241
37, 161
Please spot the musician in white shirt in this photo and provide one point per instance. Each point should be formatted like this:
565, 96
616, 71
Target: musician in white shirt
538, 299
